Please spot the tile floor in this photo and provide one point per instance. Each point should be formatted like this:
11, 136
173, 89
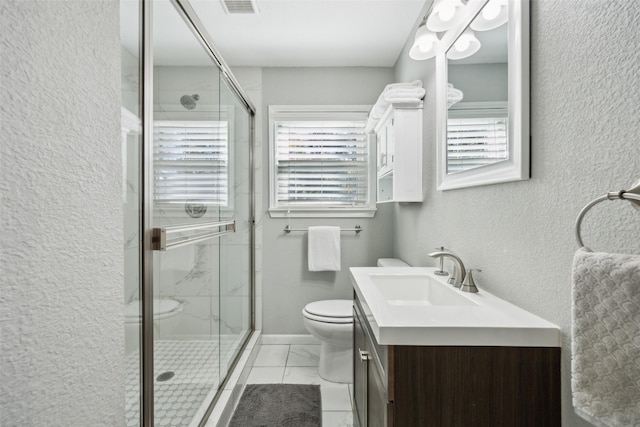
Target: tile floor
195, 365
298, 364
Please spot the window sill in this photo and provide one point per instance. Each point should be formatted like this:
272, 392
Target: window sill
322, 213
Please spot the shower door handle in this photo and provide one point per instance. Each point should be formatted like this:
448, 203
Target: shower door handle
204, 231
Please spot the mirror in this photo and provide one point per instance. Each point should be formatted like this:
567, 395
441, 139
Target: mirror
483, 96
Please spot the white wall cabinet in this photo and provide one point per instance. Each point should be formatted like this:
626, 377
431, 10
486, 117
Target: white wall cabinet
399, 148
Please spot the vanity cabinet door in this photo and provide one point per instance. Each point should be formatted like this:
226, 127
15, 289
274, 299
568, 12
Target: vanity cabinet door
360, 372
377, 403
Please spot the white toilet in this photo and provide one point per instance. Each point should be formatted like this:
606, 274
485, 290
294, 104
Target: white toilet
165, 319
331, 321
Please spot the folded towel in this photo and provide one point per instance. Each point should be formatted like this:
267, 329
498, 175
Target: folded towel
405, 99
395, 92
324, 248
605, 366
453, 95
371, 123
417, 92
415, 83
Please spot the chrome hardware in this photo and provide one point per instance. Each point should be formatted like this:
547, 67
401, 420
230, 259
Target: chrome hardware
632, 195
441, 272
161, 242
459, 271
364, 355
288, 229
469, 285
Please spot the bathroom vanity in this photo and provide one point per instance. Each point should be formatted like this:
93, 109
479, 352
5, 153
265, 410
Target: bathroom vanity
419, 362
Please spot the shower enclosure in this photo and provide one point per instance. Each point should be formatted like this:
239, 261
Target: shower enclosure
188, 210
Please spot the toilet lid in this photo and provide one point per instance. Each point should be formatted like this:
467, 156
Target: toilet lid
336, 308
160, 306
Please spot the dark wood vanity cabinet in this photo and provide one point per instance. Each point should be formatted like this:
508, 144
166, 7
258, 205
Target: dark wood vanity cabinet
446, 386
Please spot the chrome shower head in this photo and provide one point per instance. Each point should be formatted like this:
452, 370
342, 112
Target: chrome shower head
189, 101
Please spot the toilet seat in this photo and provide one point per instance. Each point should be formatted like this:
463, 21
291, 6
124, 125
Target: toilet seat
330, 311
162, 307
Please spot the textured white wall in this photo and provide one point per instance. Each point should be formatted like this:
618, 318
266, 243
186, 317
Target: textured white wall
585, 129
62, 256
287, 285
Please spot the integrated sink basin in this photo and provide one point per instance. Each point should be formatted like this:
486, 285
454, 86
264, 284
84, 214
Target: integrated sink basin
413, 306
416, 290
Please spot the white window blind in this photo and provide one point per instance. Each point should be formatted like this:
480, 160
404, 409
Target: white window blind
321, 163
476, 138
191, 162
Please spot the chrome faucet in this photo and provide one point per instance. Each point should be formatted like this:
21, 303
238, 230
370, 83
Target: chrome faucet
459, 272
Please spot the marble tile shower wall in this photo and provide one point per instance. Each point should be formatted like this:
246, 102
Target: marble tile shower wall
211, 278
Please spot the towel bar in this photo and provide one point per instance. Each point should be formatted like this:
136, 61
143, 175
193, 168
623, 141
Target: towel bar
632, 195
288, 229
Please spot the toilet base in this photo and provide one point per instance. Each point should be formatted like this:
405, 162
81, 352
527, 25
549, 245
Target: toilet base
336, 363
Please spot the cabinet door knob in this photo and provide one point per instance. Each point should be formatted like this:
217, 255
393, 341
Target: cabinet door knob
364, 355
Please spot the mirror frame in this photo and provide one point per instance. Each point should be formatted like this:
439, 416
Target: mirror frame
517, 167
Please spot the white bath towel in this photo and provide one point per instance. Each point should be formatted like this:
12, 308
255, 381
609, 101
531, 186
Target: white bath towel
324, 248
413, 84
605, 366
417, 92
453, 95
404, 100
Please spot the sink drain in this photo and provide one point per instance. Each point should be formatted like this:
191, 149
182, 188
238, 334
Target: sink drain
165, 376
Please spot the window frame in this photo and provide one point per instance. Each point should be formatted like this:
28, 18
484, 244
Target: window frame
320, 112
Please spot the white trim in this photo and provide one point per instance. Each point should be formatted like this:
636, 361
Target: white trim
322, 213
289, 339
516, 168
319, 112
230, 396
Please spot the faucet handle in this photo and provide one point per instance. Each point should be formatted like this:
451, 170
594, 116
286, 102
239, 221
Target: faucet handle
469, 285
441, 272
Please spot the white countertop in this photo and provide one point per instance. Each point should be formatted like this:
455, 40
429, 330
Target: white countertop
485, 320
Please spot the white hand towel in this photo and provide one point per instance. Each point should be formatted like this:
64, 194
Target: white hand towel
324, 248
605, 366
417, 92
453, 95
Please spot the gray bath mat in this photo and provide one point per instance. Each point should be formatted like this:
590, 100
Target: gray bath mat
279, 405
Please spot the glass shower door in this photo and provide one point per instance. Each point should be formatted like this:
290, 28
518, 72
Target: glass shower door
191, 190
235, 249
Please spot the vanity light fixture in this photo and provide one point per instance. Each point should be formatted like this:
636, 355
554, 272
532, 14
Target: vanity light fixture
424, 45
444, 15
466, 45
494, 14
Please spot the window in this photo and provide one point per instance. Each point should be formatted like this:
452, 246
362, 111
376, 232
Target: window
191, 162
476, 135
320, 161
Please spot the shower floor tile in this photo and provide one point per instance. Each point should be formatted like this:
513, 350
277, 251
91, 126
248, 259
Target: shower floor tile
196, 371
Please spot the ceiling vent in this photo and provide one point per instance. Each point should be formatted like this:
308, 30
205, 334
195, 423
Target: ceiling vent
239, 6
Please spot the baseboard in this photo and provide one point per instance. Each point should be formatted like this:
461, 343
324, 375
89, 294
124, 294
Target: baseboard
289, 339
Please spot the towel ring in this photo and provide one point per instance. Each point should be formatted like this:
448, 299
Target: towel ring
633, 195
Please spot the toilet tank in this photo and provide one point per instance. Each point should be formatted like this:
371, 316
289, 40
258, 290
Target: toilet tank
392, 262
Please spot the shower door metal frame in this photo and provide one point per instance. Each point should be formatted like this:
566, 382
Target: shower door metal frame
146, 208
186, 11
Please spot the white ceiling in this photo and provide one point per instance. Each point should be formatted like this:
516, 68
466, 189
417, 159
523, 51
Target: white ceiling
310, 33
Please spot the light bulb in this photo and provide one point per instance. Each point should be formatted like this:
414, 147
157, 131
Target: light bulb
425, 46
462, 44
491, 10
447, 11
466, 45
